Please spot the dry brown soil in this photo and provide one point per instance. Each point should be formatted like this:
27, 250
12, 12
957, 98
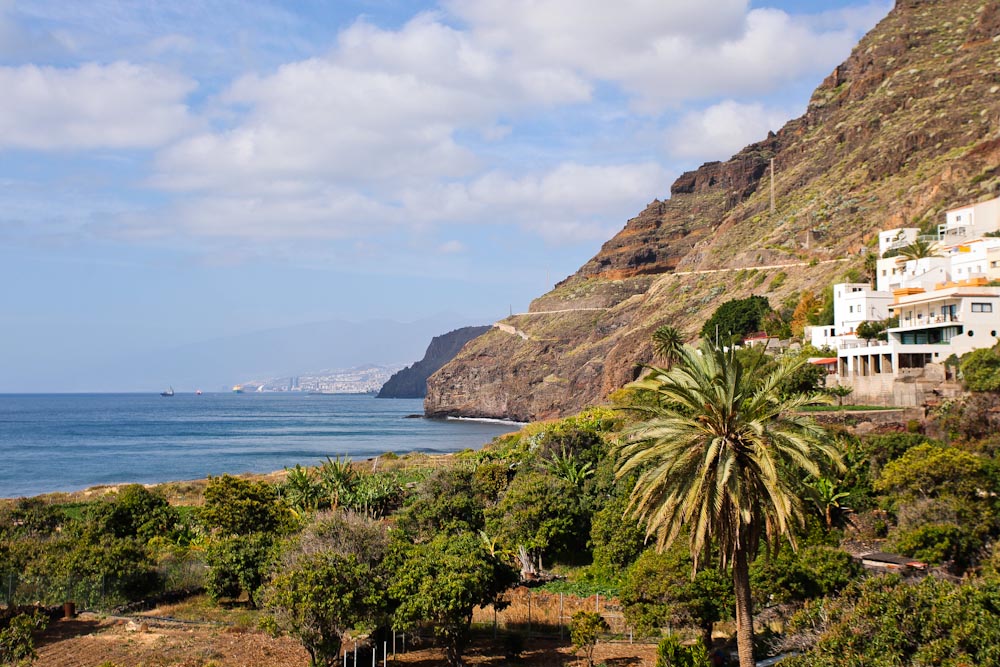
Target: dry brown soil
89, 641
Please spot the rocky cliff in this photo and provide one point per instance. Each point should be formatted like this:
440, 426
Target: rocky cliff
411, 382
906, 128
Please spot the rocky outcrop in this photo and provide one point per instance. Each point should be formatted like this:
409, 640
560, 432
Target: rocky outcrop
411, 382
906, 128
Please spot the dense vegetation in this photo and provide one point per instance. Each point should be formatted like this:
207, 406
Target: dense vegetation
342, 551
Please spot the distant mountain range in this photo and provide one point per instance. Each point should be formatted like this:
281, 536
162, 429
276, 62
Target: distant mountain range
284, 352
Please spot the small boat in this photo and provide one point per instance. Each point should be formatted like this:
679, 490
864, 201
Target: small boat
197, 392
168, 392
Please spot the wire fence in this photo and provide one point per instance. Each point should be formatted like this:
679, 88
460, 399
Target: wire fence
544, 614
102, 593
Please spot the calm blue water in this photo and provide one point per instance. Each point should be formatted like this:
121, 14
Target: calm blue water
67, 442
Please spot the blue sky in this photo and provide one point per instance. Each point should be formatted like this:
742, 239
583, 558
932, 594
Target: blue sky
172, 172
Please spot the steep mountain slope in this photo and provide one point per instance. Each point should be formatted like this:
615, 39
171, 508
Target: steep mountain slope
411, 382
906, 128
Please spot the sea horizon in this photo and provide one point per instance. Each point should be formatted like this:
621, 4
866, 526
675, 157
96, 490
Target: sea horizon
71, 441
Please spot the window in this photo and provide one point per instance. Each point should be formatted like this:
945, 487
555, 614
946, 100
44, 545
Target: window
982, 307
850, 309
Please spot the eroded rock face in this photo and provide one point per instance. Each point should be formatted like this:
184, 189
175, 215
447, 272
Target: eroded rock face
411, 382
907, 127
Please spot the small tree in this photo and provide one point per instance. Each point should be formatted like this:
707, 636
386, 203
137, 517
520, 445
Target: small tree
736, 318
869, 331
585, 629
239, 565
841, 391
539, 512
134, 512
320, 598
235, 506
441, 582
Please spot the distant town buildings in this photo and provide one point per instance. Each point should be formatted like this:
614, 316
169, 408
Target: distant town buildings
944, 289
359, 380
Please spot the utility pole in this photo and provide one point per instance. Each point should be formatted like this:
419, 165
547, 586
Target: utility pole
772, 186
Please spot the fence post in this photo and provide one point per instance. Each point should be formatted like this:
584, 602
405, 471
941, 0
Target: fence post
561, 617
394, 643
597, 602
529, 614
385, 653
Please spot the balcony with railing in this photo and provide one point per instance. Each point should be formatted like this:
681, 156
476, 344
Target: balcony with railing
923, 238
920, 321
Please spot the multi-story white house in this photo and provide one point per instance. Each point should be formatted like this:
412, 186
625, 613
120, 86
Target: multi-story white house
933, 325
853, 303
970, 222
944, 303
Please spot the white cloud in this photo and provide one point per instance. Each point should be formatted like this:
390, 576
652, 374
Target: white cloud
451, 247
663, 53
92, 106
569, 203
382, 108
393, 132
722, 129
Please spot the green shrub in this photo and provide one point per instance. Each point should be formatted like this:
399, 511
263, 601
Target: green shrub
671, 653
17, 643
981, 370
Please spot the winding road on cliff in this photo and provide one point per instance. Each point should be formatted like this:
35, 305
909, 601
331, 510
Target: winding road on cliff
514, 331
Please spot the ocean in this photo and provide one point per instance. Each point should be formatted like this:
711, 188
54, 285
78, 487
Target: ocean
67, 442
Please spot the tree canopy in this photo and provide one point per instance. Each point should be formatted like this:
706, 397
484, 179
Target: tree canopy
736, 318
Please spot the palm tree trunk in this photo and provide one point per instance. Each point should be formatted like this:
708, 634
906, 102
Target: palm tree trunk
744, 608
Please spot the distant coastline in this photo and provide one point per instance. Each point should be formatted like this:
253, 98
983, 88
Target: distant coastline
103, 439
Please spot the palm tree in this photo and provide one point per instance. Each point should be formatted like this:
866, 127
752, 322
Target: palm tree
667, 342
722, 455
919, 249
339, 479
827, 499
871, 268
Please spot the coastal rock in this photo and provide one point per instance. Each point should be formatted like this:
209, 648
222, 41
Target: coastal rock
411, 382
907, 127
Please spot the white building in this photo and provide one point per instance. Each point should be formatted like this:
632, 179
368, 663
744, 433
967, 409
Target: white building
933, 325
979, 258
894, 239
970, 222
854, 303
944, 303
